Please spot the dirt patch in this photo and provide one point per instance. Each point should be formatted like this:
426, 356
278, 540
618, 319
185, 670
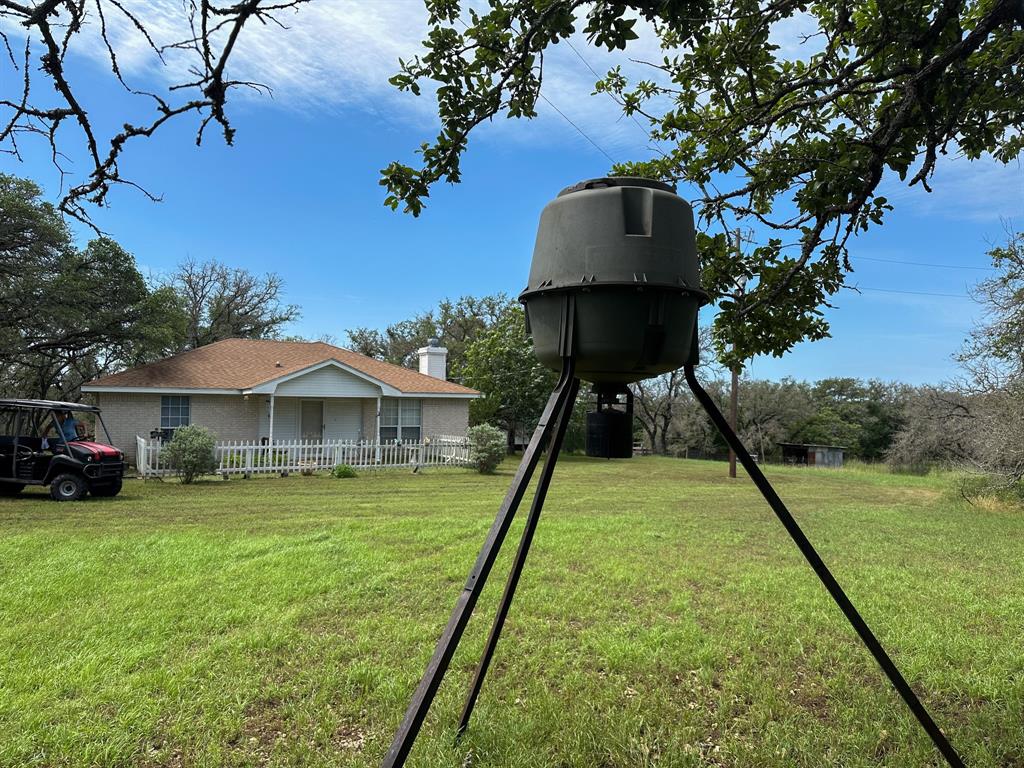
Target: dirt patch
157, 758
263, 731
159, 750
349, 738
812, 699
267, 730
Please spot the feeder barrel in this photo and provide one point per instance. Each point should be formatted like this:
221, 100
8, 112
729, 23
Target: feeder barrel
626, 249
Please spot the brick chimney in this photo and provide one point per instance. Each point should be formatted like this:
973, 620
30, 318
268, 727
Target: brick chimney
434, 359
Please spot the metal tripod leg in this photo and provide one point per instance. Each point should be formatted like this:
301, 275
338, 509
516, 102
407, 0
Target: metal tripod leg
449, 640
524, 548
823, 573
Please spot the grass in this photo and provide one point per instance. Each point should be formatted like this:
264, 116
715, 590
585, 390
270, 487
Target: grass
664, 620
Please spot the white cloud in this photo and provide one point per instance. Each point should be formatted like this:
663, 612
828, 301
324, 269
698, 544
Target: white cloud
795, 36
333, 52
340, 53
983, 190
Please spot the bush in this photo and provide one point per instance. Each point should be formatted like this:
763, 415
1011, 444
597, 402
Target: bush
191, 452
344, 470
487, 447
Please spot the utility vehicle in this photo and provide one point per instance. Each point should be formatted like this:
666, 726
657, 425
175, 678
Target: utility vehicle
34, 450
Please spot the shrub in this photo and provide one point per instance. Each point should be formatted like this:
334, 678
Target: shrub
344, 470
487, 447
191, 452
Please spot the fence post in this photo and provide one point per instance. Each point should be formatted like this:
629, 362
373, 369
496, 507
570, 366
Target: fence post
140, 455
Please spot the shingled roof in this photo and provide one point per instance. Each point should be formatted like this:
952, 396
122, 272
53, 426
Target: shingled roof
241, 364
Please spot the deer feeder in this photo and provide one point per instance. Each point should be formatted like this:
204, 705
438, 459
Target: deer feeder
612, 298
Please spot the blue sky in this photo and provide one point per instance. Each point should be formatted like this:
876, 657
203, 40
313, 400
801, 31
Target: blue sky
298, 193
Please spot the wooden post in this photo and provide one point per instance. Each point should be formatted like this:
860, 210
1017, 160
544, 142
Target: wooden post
733, 402
734, 390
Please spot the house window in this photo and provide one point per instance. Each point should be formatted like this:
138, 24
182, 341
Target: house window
410, 420
400, 420
174, 411
388, 421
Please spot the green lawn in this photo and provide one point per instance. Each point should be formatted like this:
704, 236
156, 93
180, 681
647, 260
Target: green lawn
664, 620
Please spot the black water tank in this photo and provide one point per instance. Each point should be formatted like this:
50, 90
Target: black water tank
610, 434
625, 249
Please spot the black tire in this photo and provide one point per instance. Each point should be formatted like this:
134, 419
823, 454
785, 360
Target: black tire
68, 487
11, 489
106, 489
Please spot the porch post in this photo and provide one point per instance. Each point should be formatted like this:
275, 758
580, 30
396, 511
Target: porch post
271, 437
376, 428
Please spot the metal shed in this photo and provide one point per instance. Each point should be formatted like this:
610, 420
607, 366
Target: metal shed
812, 455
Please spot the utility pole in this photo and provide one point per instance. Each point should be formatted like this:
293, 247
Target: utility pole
733, 402
734, 393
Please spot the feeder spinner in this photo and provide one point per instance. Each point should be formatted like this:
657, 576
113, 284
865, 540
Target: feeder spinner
612, 299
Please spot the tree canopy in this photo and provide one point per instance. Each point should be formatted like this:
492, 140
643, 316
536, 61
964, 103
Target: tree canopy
222, 302
794, 142
994, 352
69, 314
455, 324
862, 416
501, 364
72, 314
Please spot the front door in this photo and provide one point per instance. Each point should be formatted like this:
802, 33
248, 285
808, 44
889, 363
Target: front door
313, 420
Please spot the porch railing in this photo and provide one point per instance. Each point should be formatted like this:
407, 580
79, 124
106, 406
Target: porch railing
247, 458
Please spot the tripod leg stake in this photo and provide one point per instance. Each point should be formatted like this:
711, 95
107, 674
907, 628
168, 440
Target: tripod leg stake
554, 415
823, 573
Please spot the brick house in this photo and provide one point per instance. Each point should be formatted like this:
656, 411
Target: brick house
278, 391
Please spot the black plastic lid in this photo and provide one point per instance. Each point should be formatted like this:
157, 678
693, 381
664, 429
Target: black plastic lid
617, 181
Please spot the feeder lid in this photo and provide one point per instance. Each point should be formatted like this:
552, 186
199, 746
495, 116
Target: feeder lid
615, 232
617, 181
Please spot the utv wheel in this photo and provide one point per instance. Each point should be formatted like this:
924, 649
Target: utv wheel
11, 489
67, 488
106, 489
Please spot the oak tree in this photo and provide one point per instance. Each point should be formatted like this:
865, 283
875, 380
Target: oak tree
70, 314
794, 141
222, 302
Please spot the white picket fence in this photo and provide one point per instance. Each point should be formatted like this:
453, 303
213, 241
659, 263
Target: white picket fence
247, 458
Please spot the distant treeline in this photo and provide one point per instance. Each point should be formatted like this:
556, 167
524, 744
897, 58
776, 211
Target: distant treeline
863, 416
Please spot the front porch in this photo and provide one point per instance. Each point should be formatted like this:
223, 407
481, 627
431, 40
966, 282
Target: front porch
329, 403
288, 419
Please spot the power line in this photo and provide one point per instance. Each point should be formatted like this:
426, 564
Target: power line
569, 43
565, 117
596, 74
912, 293
582, 132
921, 263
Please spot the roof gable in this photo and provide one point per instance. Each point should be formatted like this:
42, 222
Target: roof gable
319, 374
